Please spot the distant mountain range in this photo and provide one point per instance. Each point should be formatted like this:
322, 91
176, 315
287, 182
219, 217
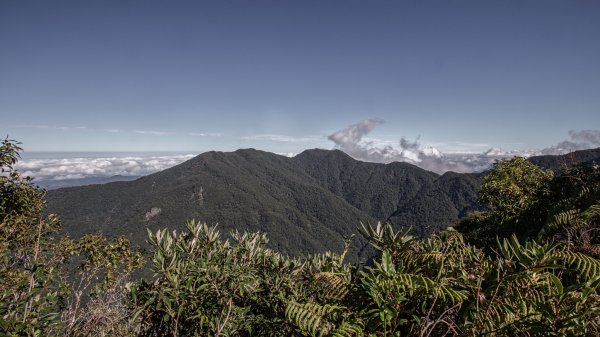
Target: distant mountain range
307, 203
54, 184
583, 157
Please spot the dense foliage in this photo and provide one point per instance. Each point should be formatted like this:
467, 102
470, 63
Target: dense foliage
434, 287
52, 285
208, 285
524, 200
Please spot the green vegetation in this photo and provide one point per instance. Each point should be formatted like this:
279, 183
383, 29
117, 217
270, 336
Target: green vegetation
532, 203
543, 280
433, 287
40, 292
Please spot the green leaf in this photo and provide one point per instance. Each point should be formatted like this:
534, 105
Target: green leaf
557, 283
386, 262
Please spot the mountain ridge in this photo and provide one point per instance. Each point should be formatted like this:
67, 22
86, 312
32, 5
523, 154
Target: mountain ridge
306, 204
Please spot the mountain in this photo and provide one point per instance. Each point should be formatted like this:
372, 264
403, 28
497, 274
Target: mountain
305, 204
54, 184
581, 157
400, 193
245, 189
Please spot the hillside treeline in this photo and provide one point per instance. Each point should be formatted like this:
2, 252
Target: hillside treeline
526, 266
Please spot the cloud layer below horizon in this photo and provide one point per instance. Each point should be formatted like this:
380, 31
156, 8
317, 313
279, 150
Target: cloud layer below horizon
352, 141
79, 168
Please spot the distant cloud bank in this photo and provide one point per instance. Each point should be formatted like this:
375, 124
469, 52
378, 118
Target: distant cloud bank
579, 140
78, 168
352, 141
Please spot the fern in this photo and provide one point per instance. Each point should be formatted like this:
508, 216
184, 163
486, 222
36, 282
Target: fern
583, 265
346, 329
312, 318
333, 286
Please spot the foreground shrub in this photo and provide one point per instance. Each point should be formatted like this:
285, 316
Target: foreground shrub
49, 283
443, 286
210, 286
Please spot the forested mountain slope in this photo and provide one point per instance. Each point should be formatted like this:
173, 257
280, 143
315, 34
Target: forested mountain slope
245, 189
401, 193
308, 203
586, 157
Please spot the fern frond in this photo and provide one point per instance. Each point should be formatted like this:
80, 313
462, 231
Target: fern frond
347, 329
563, 219
412, 283
450, 294
333, 285
591, 212
312, 318
582, 264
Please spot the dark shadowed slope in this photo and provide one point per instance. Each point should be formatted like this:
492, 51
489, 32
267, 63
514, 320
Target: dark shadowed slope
54, 184
246, 189
449, 198
401, 193
585, 157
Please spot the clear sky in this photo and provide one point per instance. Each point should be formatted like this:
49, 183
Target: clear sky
283, 75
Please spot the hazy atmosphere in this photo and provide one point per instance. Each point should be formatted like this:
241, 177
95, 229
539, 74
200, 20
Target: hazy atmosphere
383, 81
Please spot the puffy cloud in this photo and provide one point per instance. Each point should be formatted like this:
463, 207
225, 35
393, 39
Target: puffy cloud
351, 136
351, 140
579, 140
79, 168
286, 154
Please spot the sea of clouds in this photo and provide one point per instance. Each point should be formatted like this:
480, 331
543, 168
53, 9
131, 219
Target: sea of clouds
84, 168
45, 169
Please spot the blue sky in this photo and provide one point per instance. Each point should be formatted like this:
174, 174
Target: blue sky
283, 75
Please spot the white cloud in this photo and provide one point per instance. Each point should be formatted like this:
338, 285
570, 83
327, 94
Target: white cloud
354, 142
115, 130
41, 126
112, 130
151, 132
460, 147
286, 154
578, 140
284, 138
205, 134
76, 168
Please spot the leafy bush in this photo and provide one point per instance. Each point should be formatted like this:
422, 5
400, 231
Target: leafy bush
524, 200
434, 287
40, 294
443, 286
210, 286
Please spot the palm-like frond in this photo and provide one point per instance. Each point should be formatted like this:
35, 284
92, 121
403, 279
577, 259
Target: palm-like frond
323, 320
334, 286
